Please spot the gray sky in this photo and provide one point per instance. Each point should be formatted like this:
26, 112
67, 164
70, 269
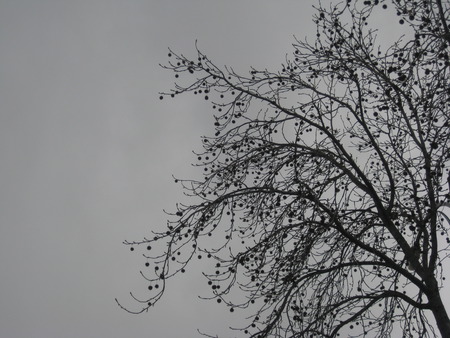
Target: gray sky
87, 152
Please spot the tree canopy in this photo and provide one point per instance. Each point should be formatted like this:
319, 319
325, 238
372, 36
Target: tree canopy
325, 183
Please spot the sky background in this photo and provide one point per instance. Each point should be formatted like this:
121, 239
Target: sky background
87, 152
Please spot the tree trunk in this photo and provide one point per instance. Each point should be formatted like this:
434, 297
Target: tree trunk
440, 314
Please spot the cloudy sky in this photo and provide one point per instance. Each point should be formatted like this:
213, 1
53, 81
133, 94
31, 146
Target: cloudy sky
87, 152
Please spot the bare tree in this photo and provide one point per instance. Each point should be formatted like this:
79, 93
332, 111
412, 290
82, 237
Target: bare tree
322, 201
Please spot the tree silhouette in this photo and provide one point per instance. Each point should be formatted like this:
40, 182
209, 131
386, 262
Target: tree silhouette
322, 201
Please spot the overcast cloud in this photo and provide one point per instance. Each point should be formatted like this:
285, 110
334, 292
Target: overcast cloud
87, 151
